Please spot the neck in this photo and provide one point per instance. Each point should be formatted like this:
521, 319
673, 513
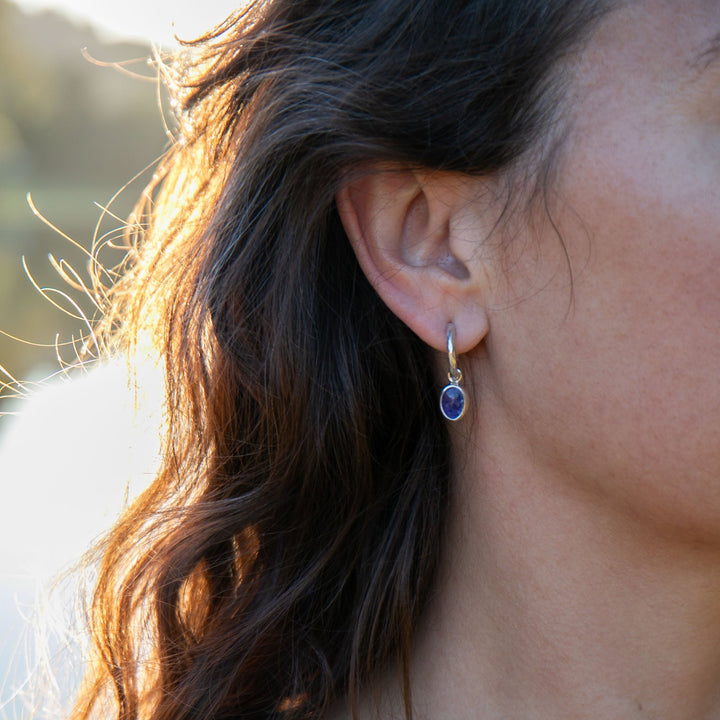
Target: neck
556, 603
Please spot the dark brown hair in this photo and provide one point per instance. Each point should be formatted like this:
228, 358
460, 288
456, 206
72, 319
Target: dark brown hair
284, 551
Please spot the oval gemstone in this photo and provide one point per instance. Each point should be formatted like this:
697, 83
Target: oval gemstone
452, 402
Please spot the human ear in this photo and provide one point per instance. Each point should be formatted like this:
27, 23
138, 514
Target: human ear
416, 237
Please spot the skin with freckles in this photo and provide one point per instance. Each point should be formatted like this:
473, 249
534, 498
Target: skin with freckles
623, 377
581, 575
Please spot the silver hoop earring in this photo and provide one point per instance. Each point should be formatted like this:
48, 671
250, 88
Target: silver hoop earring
452, 397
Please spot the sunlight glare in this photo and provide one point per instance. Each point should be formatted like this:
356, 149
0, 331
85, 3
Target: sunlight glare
68, 461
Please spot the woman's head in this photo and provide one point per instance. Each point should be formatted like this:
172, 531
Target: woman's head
589, 320
287, 547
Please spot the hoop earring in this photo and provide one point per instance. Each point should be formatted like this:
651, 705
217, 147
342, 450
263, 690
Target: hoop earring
452, 397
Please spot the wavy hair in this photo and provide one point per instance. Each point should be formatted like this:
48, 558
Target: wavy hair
286, 548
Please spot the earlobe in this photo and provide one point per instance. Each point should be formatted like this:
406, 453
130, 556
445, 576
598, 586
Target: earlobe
403, 228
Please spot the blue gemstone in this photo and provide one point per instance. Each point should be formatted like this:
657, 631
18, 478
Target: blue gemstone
452, 402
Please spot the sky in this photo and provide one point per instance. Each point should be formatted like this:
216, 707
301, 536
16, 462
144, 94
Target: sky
154, 20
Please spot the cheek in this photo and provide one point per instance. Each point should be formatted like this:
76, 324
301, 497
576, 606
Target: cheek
651, 286
613, 377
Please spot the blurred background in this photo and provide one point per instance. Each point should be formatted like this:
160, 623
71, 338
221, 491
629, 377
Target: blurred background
72, 133
80, 120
